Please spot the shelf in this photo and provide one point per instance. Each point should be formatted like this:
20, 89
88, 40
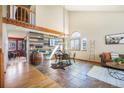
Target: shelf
42, 42
39, 42
36, 37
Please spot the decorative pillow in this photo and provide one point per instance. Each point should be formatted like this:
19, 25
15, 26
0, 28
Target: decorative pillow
114, 55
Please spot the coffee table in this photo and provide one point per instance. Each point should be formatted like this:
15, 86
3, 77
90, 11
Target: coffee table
115, 66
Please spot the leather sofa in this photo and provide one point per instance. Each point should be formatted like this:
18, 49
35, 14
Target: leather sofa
106, 60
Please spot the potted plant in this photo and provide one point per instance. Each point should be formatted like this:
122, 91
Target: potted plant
117, 60
122, 60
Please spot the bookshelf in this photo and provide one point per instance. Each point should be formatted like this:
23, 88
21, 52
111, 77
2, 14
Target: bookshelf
43, 43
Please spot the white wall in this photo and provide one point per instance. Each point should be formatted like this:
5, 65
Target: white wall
50, 16
17, 33
66, 28
66, 21
94, 26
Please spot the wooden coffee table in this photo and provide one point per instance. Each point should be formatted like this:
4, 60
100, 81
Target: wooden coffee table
115, 66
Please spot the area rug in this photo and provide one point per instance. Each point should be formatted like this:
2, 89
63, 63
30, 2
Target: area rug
101, 73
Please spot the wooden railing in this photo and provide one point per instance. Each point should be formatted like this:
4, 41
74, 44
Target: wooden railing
24, 17
1, 70
20, 13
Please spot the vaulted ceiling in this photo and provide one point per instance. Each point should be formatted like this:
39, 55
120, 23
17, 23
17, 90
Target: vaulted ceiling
95, 8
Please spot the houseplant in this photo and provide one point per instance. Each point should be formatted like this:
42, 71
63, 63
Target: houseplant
122, 60
118, 60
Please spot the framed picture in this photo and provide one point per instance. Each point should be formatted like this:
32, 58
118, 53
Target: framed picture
84, 44
12, 45
114, 38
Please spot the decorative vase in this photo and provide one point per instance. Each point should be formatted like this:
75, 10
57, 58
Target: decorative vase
120, 63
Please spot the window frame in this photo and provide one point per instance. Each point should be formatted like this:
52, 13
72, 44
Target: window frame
75, 48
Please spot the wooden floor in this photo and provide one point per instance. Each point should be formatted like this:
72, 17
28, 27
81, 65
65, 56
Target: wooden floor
23, 75
74, 76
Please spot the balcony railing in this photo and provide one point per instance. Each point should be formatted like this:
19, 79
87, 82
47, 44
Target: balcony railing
20, 13
24, 17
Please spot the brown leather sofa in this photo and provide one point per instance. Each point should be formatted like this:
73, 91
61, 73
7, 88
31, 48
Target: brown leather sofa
106, 60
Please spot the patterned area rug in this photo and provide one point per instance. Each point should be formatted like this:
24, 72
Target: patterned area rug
101, 73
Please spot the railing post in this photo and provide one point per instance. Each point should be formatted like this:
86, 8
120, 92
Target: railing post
12, 11
17, 14
8, 11
20, 13
25, 15
30, 19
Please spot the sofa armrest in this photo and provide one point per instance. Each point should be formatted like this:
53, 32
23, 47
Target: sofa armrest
103, 62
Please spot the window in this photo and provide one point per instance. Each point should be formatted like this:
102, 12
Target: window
75, 41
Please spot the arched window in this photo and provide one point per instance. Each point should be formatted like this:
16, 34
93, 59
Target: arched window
75, 41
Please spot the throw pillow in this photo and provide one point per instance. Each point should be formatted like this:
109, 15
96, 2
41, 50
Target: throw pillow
114, 55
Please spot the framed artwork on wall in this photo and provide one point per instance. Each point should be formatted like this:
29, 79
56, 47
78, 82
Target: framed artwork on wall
84, 44
12, 45
114, 39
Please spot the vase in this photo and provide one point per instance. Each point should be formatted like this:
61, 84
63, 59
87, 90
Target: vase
120, 63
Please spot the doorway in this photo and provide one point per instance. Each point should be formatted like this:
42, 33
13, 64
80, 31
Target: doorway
17, 43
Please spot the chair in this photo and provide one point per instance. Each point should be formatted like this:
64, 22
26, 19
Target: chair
67, 58
9, 55
74, 54
56, 57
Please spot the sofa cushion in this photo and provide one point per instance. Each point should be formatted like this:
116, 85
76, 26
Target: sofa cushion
114, 55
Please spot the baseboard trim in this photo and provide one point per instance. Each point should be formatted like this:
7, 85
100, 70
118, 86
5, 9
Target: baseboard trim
93, 62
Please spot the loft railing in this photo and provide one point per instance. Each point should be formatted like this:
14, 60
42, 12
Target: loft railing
24, 17
20, 13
